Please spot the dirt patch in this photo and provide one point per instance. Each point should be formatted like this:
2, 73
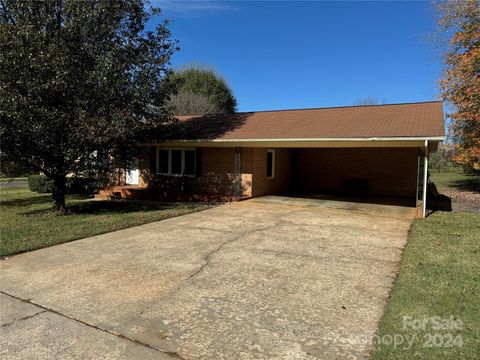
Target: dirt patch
463, 200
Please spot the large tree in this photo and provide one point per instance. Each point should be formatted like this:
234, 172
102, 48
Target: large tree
80, 83
201, 91
461, 81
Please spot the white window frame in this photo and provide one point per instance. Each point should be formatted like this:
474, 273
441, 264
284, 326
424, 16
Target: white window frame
182, 161
272, 151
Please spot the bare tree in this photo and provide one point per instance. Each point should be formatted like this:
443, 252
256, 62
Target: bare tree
369, 100
191, 103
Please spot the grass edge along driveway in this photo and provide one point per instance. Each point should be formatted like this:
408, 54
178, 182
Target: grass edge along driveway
26, 222
434, 303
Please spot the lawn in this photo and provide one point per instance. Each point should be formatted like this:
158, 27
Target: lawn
439, 276
456, 180
26, 222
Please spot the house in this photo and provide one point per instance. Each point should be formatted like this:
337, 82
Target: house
368, 151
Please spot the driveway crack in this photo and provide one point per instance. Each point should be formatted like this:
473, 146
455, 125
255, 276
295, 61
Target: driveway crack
206, 258
171, 354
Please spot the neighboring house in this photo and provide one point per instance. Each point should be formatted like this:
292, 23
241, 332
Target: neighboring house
369, 150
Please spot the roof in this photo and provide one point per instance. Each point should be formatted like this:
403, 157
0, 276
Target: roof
417, 120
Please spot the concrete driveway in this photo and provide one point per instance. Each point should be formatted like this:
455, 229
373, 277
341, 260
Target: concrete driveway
267, 278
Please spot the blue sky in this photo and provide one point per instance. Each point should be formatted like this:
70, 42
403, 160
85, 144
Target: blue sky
281, 55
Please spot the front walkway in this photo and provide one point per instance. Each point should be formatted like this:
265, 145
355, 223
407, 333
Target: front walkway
266, 278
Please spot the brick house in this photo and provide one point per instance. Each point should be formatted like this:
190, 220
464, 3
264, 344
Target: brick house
378, 150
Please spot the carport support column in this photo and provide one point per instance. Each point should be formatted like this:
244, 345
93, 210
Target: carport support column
425, 178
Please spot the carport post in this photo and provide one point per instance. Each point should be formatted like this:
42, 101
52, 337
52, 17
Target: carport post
425, 175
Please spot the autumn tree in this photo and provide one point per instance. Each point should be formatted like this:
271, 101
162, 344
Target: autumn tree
80, 83
200, 91
461, 80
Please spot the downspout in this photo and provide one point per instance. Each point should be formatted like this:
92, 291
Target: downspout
238, 173
425, 179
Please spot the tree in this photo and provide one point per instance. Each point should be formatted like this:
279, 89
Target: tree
201, 91
80, 83
461, 79
11, 168
442, 159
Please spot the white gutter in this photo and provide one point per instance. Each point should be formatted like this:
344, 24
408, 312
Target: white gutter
418, 138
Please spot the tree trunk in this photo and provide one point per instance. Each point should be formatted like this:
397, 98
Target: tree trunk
58, 195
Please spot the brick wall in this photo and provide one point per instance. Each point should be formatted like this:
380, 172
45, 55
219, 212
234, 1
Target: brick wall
389, 171
144, 167
281, 181
217, 176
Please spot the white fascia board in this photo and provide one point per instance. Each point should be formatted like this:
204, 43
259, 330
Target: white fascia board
410, 138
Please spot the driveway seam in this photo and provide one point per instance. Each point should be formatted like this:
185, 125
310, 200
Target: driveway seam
217, 230
172, 354
24, 318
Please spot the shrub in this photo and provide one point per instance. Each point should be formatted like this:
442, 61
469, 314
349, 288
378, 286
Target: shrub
84, 186
74, 185
40, 184
12, 169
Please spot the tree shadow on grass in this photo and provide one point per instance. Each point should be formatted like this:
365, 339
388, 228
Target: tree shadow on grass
119, 206
111, 207
37, 200
470, 184
26, 201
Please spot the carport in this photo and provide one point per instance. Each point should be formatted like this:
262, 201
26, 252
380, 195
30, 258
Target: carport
375, 170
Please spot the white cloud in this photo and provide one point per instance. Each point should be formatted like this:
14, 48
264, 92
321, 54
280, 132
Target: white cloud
198, 6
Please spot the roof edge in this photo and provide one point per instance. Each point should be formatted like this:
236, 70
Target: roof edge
313, 108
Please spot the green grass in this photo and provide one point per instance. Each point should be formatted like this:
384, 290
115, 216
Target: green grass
456, 180
26, 222
12, 179
439, 276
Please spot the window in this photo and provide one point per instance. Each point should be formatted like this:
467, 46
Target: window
162, 167
189, 163
176, 162
270, 164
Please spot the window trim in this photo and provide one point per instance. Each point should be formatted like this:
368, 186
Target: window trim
272, 151
182, 161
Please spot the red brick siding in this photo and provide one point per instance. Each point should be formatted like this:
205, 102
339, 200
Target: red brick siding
281, 181
389, 171
218, 160
218, 173
144, 167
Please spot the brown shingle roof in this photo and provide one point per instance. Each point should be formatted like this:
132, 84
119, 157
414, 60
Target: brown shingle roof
393, 120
